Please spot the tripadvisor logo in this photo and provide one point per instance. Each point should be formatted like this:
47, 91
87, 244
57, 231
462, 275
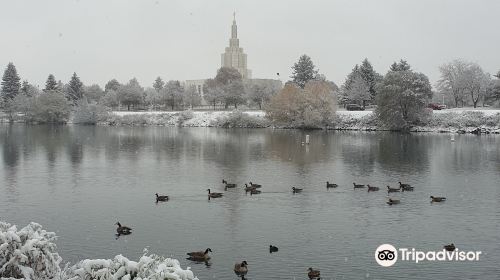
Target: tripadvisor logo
387, 255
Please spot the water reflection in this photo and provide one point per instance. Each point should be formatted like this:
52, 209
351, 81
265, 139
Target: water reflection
98, 175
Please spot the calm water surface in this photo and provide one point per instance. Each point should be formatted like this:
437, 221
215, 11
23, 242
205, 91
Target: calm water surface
78, 181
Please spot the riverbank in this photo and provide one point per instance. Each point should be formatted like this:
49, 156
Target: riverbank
445, 121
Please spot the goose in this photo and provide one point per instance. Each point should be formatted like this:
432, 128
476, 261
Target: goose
404, 185
392, 201
372, 189
161, 197
123, 229
389, 189
254, 191
313, 273
406, 188
358, 186
228, 186
330, 185
200, 255
296, 190
437, 198
241, 268
255, 185
451, 247
213, 194
273, 249
249, 188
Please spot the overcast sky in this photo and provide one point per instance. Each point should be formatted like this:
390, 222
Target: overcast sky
181, 40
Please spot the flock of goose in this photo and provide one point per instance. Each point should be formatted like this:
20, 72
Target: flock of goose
241, 269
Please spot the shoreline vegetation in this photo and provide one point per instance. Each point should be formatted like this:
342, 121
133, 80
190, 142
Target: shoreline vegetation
401, 100
472, 121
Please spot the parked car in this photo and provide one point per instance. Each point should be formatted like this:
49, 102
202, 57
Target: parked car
442, 106
434, 106
354, 107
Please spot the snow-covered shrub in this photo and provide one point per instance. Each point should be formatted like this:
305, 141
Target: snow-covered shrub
458, 120
152, 267
239, 119
184, 116
356, 122
89, 113
29, 253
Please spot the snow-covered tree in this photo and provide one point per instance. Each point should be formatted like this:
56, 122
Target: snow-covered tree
452, 80
402, 65
402, 97
28, 89
213, 92
370, 76
158, 84
259, 92
74, 91
476, 82
112, 84
358, 91
130, 94
10, 82
230, 81
93, 93
51, 84
110, 99
192, 97
151, 97
172, 94
303, 71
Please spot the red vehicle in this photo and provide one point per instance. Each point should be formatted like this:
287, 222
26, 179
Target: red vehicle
435, 106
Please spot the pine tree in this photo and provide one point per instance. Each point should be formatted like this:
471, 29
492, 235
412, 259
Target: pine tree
303, 71
51, 84
10, 82
370, 77
402, 65
75, 89
158, 84
25, 87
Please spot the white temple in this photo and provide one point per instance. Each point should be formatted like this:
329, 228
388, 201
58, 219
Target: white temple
234, 56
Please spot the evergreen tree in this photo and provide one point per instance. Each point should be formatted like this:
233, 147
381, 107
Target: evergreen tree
158, 84
51, 84
10, 82
303, 71
25, 87
497, 74
402, 97
112, 84
75, 89
402, 65
370, 77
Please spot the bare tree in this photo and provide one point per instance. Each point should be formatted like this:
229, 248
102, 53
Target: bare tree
476, 82
452, 80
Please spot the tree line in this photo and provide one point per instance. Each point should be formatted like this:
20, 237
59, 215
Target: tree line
400, 96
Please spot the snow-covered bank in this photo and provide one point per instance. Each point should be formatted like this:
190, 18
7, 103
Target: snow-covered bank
458, 120
30, 253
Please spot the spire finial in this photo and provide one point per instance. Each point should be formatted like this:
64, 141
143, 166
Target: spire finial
234, 16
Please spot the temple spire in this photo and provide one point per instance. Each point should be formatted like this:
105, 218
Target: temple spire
234, 28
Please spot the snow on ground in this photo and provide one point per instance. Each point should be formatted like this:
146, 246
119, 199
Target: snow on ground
257, 113
260, 113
